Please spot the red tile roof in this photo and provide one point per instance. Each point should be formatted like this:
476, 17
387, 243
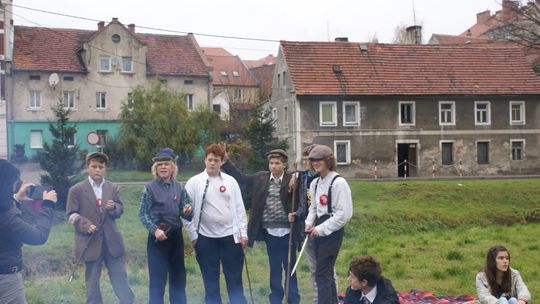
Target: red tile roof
228, 69
215, 51
451, 39
55, 49
391, 69
268, 60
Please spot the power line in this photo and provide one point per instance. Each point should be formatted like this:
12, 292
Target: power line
150, 28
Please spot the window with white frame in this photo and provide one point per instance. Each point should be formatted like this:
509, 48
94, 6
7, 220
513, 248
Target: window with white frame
189, 101
447, 113
351, 113
482, 152
286, 118
517, 112
342, 150
104, 63
71, 141
237, 94
482, 112
127, 64
517, 148
130, 100
35, 99
36, 139
69, 99
447, 153
101, 100
103, 134
328, 113
406, 113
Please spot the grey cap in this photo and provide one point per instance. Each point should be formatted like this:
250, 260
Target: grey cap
320, 152
279, 152
99, 155
308, 149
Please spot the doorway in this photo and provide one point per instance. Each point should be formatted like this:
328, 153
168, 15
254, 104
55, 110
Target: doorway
407, 151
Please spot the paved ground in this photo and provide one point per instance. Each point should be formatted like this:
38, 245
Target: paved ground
30, 172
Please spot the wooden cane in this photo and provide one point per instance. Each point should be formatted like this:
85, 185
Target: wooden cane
288, 277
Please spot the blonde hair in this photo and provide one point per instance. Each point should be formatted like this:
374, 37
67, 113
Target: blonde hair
174, 168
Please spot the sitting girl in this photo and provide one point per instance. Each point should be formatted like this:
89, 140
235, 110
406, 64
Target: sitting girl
498, 283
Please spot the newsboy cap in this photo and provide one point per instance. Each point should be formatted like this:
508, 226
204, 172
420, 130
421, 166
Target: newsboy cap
94, 155
164, 154
279, 152
320, 152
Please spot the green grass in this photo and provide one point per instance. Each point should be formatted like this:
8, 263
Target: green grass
431, 235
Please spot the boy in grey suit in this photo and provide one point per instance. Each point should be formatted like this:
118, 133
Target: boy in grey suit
93, 206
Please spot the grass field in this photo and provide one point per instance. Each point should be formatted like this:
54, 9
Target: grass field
431, 235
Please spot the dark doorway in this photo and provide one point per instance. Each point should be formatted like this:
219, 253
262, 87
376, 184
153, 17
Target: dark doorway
407, 152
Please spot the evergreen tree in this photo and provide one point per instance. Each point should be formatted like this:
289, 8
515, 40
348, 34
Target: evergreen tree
59, 157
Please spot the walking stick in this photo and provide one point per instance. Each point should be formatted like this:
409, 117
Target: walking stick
288, 277
79, 259
249, 279
299, 255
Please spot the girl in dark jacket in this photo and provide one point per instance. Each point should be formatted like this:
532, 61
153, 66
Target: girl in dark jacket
16, 230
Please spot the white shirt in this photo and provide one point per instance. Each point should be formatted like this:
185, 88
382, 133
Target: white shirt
98, 189
195, 189
278, 232
371, 295
216, 218
341, 203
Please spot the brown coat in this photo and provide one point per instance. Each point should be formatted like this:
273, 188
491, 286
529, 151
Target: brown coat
82, 200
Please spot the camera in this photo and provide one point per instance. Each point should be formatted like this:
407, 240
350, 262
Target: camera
36, 192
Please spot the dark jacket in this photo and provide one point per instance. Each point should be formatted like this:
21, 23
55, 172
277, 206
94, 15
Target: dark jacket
16, 231
386, 294
259, 183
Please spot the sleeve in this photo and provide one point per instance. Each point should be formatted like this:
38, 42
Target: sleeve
144, 211
521, 289
482, 289
229, 168
312, 211
26, 233
301, 197
118, 205
240, 210
80, 223
342, 208
191, 226
186, 200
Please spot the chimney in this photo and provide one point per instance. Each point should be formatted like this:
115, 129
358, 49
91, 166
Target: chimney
100, 25
414, 33
509, 8
131, 28
114, 19
483, 16
341, 39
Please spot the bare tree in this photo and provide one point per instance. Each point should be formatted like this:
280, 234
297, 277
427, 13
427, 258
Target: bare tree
525, 28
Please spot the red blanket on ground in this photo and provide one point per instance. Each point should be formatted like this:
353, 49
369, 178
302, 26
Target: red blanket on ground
420, 296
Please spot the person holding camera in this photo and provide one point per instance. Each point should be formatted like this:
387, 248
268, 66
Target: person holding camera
16, 230
93, 206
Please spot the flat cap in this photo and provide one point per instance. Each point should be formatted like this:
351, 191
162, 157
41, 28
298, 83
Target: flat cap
164, 154
279, 152
320, 152
308, 149
94, 155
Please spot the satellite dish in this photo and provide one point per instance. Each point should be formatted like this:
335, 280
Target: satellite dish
53, 80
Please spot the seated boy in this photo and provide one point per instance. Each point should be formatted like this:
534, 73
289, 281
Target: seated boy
367, 285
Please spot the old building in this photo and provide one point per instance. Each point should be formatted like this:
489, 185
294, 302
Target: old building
454, 109
6, 24
93, 73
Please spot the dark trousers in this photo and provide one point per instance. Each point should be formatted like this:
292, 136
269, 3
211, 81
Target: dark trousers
326, 252
166, 258
116, 267
277, 249
211, 252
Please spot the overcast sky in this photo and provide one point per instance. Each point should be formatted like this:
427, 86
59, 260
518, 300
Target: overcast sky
294, 20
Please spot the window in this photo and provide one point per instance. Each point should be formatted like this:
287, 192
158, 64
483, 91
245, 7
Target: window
447, 113
69, 99
127, 64
482, 152
482, 112
35, 100
102, 137
279, 79
223, 73
342, 149
517, 149
517, 112
189, 101
447, 151
237, 94
101, 100
327, 113
188, 81
35, 77
286, 118
68, 78
71, 141
236, 74
217, 108
274, 114
130, 100
36, 139
351, 113
406, 113
284, 78
104, 64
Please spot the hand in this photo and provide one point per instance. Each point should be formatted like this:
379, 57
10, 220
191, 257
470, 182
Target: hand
160, 235
187, 209
243, 241
194, 243
292, 182
50, 195
308, 228
92, 229
21, 195
522, 302
292, 217
110, 205
314, 232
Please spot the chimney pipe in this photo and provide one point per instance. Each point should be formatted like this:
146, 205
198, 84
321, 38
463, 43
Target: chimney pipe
100, 25
114, 19
131, 28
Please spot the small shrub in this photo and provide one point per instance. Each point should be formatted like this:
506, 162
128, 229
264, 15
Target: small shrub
454, 256
438, 275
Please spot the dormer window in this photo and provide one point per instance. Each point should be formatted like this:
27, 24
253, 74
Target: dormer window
236, 74
104, 63
223, 73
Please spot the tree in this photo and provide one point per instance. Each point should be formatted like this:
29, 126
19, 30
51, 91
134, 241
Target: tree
258, 131
59, 158
525, 28
159, 118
